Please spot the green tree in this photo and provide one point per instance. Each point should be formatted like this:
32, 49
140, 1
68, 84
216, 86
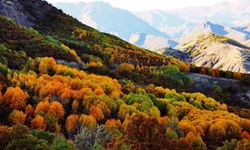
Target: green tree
229, 145
172, 75
60, 143
22, 139
44, 135
171, 135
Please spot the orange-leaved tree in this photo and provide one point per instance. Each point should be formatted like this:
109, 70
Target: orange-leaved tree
88, 121
38, 123
72, 123
15, 98
17, 117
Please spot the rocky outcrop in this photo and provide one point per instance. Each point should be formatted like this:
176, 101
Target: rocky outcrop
71, 64
175, 53
204, 84
247, 43
25, 12
16, 11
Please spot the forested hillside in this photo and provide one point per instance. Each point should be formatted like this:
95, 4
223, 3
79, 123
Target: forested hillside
66, 86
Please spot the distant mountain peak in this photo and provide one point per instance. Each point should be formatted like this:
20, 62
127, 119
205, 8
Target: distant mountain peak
208, 24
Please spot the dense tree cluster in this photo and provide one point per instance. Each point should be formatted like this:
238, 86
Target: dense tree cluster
96, 112
23, 43
46, 104
218, 73
85, 48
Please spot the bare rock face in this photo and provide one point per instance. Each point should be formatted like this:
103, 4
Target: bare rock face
218, 52
25, 12
16, 11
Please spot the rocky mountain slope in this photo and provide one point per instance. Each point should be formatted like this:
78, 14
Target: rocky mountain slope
15, 10
247, 43
211, 50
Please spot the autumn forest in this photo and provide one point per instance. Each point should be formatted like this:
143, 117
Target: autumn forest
66, 86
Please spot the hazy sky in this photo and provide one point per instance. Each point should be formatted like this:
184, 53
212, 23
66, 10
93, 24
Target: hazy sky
140, 5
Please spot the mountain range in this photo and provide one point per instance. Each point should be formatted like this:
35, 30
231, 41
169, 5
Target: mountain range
156, 29
122, 23
67, 86
238, 34
234, 13
208, 52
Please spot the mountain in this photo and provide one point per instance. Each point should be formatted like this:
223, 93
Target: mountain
151, 42
246, 27
51, 21
247, 43
156, 29
181, 55
161, 19
12, 9
167, 22
88, 43
219, 52
233, 13
122, 23
180, 22
230, 32
64, 85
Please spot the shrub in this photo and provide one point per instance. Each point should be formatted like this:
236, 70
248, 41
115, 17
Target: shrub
3, 48
173, 77
92, 138
16, 98
60, 143
229, 145
17, 117
44, 135
125, 69
224, 129
21, 137
175, 96
4, 136
38, 123
171, 135
3, 69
